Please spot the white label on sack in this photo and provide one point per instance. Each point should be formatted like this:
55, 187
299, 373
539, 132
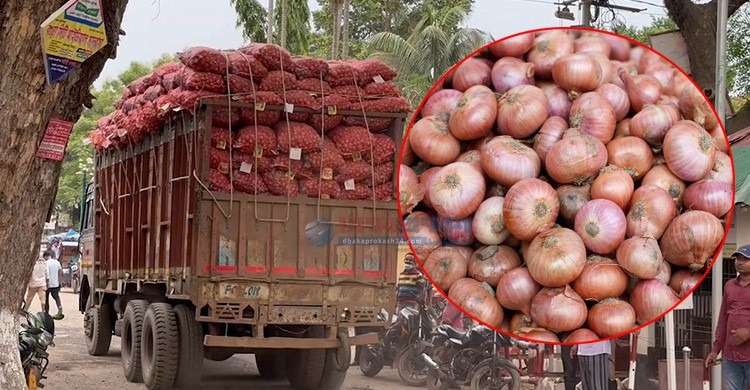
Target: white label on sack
349, 185
378, 79
295, 153
122, 132
289, 107
221, 144
326, 173
246, 167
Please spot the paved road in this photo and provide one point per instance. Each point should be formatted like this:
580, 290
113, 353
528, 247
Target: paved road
71, 368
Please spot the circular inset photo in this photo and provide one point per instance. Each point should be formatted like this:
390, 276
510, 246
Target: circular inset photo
566, 185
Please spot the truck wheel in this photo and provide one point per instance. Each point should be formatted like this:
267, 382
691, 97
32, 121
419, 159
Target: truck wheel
271, 364
190, 355
159, 346
314, 369
98, 329
132, 326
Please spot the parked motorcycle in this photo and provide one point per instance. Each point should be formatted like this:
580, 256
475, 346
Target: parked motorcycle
496, 372
36, 335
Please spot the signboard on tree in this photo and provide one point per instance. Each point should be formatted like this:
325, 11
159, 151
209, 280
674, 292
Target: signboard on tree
70, 36
55, 140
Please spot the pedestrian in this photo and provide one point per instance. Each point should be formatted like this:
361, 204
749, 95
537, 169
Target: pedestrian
570, 367
733, 329
38, 283
410, 285
593, 361
55, 278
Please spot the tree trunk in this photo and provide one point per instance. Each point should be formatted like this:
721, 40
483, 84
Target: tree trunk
336, 19
27, 104
284, 20
271, 21
345, 31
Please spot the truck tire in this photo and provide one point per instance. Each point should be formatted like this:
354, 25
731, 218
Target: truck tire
132, 326
314, 369
271, 364
190, 355
98, 329
159, 347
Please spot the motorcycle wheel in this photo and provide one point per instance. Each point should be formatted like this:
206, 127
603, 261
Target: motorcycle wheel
505, 376
411, 368
33, 375
370, 363
434, 382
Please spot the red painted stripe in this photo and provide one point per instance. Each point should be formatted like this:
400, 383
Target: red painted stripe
372, 274
316, 271
344, 272
284, 270
226, 268
255, 269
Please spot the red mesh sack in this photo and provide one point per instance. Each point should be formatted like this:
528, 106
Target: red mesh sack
246, 66
131, 104
203, 81
383, 174
266, 117
118, 103
383, 192
139, 86
302, 136
390, 104
360, 192
300, 99
358, 171
221, 138
306, 67
314, 85
245, 140
375, 125
221, 118
249, 183
330, 155
300, 168
280, 183
147, 118
340, 73
166, 69
204, 59
97, 139
153, 92
105, 120
351, 92
189, 99
384, 148
272, 56
382, 89
219, 159
277, 81
368, 70
239, 84
263, 164
326, 122
172, 81
218, 181
167, 103
351, 140
127, 93
325, 189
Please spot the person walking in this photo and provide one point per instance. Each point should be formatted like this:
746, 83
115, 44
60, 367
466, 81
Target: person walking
54, 268
733, 329
38, 283
410, 285
593, 360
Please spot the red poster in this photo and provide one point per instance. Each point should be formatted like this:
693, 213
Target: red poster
55, 140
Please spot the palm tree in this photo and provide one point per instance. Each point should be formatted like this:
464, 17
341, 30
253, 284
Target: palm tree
269, 34
336, 6
284, 19
345, 30
290, 27
434, 44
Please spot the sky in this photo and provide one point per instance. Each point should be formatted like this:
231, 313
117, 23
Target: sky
156, 27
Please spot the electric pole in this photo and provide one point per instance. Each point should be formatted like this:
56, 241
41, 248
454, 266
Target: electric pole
586, 13
586, 10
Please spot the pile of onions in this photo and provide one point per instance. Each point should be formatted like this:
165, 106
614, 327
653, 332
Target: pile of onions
566, 186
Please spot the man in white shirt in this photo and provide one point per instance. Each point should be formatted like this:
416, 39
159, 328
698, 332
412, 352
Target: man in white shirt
38, 282
55, 277
593, 359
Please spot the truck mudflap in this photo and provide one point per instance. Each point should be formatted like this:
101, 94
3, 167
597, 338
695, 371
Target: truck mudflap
289, 342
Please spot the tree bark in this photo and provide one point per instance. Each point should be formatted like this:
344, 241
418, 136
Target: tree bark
336, 13
345, 31
27, 104
284, 21
271, 21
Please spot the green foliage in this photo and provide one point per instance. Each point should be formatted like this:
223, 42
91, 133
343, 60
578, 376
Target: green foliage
738, 53
252, 18
641, 34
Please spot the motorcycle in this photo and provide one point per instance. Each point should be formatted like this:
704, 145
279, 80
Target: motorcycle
75, 276
36, 335
497, 372
453, 354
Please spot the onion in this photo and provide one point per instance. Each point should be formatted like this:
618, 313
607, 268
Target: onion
695, 107
611, 317
608, 70
601, 225
552, 131
692, 239
648, 60
623, 128
515, 46
410, 191
521, 111
684, 281
592, 43
713, 196
720, 138
445, 266
642, 89
422, 234
572, 198
664, 74
640, 256
473, 157
510, 72
575, 158
636, 53
474, 115
441, 101
425, 180
722, 169
613, 184
490, 263
477, 300
556, 257
538, 335
471, 72
488, 225
516, 289
601, 278
651, 124
594, 116
662, 177
521, 320
506, 160
665, 272
579, 336
457, 231
651, 299
559, 102
431, 140
619, 47
466, 251
679, 81
548, 48
671, 105
689, 151
617, 98
559, 309
407, 155
651, 211
457, 190
577, 73
631, 154
531, 207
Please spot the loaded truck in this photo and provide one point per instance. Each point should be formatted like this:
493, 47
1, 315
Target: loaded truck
181, 273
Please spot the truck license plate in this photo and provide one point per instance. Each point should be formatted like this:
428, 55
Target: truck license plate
240, 291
